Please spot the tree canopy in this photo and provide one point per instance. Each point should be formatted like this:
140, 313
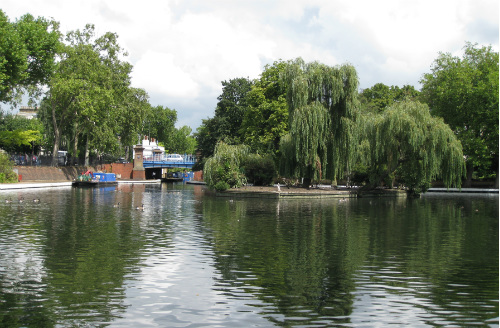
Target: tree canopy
28, 49
464, 91
266, 117
380, 96
408, 143
85, 89
20, 134
229, 113
322, 103
223, 170
160, 124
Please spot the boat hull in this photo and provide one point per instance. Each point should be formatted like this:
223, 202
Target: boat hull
94, 183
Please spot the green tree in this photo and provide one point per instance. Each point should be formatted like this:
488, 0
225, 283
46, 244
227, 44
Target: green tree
266, 117
322, 103
160, 124
207, 135
380, 96
19, 134
232, 105
464, 91
13, 55
223, 170
182, 141
13, 140
28, 51
6, 169
259, 170
408, 143
229, 113
132, 112
85, 92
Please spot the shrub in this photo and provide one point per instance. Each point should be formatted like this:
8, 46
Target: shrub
221, 186
222, 171
359, 175
6, 172
259, 170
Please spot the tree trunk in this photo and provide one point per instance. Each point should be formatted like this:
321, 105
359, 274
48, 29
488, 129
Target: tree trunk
57, 137
55, 149
87, 151
74, 156
470, 169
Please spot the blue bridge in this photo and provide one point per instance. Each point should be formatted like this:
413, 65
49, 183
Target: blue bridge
167, 164
169, 161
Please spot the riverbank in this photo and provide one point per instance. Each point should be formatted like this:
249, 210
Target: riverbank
330, 192
297, 192
262, 192
58, 184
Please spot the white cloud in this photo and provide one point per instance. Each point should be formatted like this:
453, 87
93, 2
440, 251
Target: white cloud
182, 50
158, 73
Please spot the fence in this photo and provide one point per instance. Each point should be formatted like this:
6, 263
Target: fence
34, 160
171, 158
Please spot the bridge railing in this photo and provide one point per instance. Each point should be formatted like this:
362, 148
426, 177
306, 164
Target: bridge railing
165, 158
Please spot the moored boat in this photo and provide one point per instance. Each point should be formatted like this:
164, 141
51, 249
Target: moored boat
98, 179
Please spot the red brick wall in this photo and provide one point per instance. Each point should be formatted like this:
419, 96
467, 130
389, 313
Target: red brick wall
124, 171
68, 173
198, 176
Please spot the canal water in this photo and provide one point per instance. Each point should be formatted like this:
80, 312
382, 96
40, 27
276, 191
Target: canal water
176, 256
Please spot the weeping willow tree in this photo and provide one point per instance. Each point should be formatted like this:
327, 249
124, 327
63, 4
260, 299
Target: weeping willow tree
322, 102
223, 170
406, 142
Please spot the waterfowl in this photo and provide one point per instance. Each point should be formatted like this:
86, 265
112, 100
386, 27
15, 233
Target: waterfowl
140, 207
36, 200
21, 200
8, 201
117, 204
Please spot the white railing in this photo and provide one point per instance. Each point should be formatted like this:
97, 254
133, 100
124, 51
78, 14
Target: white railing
170, 158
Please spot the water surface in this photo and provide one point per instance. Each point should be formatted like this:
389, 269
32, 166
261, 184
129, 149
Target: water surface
176, 256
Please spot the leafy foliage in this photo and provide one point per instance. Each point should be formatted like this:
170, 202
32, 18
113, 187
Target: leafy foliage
406, 141
259, 170
131, 113
86, 91
182, 141
19, 134
6, 172
229, 114
160, 124
28, 49
266, 117
223, 170
322, 103
10, 140
464, 91
380, 96
232, 105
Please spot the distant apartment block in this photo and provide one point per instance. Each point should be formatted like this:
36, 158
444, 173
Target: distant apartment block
28, 112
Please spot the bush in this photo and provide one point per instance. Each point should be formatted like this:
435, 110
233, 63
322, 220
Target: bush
221, 186
222, 171
259, 170
359, 175
6, 172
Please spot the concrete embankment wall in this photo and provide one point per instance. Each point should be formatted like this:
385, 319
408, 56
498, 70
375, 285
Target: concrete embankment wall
42, 173
69, 173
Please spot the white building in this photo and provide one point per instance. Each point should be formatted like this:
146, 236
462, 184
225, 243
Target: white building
28, 112
151, 149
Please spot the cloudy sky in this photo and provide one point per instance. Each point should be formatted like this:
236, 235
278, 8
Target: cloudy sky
181, 50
